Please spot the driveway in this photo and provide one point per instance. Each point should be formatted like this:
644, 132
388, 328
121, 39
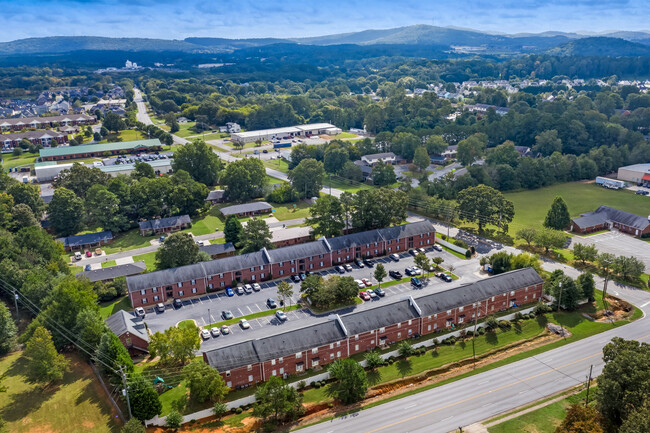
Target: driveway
617, 243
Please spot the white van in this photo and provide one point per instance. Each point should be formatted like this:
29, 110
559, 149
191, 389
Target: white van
77, 255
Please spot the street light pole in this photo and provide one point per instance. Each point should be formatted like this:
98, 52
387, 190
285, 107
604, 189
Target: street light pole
209, 317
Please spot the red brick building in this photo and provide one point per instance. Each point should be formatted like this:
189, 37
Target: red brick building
21, 123
197, 279
295, 351
131, 332
606, 217
44, 138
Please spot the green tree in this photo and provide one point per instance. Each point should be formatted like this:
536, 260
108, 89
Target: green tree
350, 381
198, 159
219, 409
25, 193
285, 292
311, 285
587, 286
485, 205
380, 273
435, 145
335, 158
255, 236
438, 261
133, 425
6, 205
637, 421
179, 249
175, 344
423, 262
503, 154
548, 142
373, 360
624, 382
421, 158
566, 292
277, 400
628, 267
501, 262
326, 216
204, 382
8, 330
471, 149
103, 208
113, 122
89, 329
527, 234
558, 217
580, 419
65, 212
405, 349
244, 179
44, 364
232, 230
585, 253
548, 238
351, 171
22, 216
307, 177
112, 355
142, 169
383, 174
145, 403
80, 178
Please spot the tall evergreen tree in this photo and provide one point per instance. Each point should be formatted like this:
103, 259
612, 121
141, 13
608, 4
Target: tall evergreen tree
44, 363
558, 217
232, 230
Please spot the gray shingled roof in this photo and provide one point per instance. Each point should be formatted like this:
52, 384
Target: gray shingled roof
230, 357
217, 194
165, 277
113, 272
385, 155
590, 220
121, 322
355, 239
375, 318
606, 213
215, 249
86, 239
404, 230
161, 223
292, 252
247, 207
236, 263
298, 340
478, 291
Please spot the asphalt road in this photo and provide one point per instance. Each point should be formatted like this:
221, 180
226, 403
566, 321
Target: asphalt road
488, 394
242, 305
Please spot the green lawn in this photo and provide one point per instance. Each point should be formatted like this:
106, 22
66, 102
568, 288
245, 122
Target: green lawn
345, 185
149, 260
77, 404
287, 211
246, 146
542, 420
108, 263
11, 161
277, 164
531, 206
186, 129
210, 136
343, 135
109, 308
128, 241
125, 135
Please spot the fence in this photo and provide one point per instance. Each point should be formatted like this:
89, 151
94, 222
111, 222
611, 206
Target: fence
108, 394
451, 246
160, 421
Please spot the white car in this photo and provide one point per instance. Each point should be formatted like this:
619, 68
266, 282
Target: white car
244, 324
437, 247
280, 315
422, 250
240, 290
372, 294
416, 271
215, 332
248, 288
257, 287
348, 268
205, 334
139, 311
394, 257
360, 284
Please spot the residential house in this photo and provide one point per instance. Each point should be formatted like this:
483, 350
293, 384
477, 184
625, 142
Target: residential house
215, 196
217, 251
164, 225
86, 241
386, 157
606, 217
131, 331
247, 209
112, 272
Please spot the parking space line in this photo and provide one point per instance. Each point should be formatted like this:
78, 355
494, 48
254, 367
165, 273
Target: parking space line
249, 309
258, 307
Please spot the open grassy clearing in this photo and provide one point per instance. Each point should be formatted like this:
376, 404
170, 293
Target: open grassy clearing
345, 185
77, 404
149, 260
108, 264
278, 164
109, 308
125, 135
11, 161
287, 211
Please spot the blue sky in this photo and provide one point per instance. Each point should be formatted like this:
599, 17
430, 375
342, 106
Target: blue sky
293, 18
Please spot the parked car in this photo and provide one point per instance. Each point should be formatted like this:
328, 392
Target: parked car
178, 303
244, 324
265, 151
161, 239
89, 253
394, 257
98, 251
88, 268
358, 262
227, 315
160, 307
302, 276
365, 296
295, 278
340, 269
395, 274
77, 255
437, 247
248, 288
240, 290
422, 251
444, 277
257, 287
348, 268
271, 303
380, 292
372, 294
215, 332
368, 263
412, 252
366, 282
416, 271
360, 284
199, 243
139, 311
408, 272
205, 334
225, 329
280, 315
416, 282
229, 292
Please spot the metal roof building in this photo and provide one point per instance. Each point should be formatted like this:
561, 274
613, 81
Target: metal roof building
96, 150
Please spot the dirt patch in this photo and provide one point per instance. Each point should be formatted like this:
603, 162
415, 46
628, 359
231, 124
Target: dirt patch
617, 309
212, 425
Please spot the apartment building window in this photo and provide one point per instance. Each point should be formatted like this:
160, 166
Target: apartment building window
228, 373
293, 262
253, 277
155, 290
280, 264
331, 356
435, 326
293, 270
314, 351
262, 268
399, 325
460, 309
331, 345
181, 292
512, 293
180, 284
338, 344
262, 275
399, 335
143, 291
356, 347
448, 312
410, 331
194, 290
273, 362
311, 266
229, 384
250, 378
322, 264
281, 272
253, 269
397, 248
492, 298
429, 328
155, 298
274, 373
299, 366
144, 300
250, 367
220, 275
356, 337
298, 355
382, 329
390, 249
410, 321
280, 360
223, 284
210, 286
282, 371
314, 362
193, 281
435, 316
338, 354
372, 342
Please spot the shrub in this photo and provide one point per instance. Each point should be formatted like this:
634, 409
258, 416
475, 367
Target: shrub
517, 317
451, 340
239, 410
317, 385
468, 254
436, 342
462, 334
269, 426
505, 324
302, 385
491, 323
481, 331
391, 360
531, 315
174, 420
312, 383
541, 309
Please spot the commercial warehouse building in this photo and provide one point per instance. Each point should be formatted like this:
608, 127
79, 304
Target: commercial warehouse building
48, 170
99, 150
286, 133
637, 173
199, 278
341, 336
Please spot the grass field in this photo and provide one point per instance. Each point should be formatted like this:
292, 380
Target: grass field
531, 206
125, 135
109, 308
542, 420
149, 260
77, 404
277, 164
349, 186
108, 264
11, 161
286, 211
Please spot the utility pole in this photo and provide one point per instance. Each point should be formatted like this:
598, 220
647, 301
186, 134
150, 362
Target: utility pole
558, 307
474, 334
16, 303
125, 391
591, 367
209, 316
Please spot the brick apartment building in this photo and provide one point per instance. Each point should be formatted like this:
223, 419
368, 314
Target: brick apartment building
312, 346
20, 123
44, 138
199, 278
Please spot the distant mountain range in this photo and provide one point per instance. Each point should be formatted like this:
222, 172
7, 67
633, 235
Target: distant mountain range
615, 43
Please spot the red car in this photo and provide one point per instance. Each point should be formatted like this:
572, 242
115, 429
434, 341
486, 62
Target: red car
364, 296
89, 253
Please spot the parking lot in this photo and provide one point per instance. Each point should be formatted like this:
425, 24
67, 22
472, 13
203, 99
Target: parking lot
617, 243
207, 309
